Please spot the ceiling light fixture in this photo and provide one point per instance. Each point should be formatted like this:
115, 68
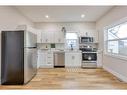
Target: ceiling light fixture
82, 16
46, 16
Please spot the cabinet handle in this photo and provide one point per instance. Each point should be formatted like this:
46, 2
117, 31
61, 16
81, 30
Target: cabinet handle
73, 57
59, 40
49, 63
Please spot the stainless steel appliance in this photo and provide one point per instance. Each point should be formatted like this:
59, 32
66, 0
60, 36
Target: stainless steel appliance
89, 57
19, 57
86, 39
88, 48
59, 59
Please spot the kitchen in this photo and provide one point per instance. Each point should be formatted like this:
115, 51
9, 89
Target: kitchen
69, 43
61, 43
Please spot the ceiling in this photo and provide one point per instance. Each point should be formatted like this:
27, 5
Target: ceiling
63, 13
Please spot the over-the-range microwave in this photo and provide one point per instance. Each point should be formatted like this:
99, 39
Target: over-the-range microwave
86, 39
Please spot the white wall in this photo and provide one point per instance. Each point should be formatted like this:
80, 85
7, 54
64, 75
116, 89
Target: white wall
114, 65
9, 19
81, 28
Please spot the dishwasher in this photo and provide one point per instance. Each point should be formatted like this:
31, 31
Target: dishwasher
59, 59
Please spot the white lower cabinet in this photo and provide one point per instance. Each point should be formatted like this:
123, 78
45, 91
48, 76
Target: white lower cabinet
73, 59
99, 59
45, 59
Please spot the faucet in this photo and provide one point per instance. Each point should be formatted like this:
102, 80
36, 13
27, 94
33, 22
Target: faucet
71, 46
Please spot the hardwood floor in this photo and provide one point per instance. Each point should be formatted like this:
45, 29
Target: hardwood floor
72, 78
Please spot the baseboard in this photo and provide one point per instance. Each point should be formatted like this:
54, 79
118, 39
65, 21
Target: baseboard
121, 77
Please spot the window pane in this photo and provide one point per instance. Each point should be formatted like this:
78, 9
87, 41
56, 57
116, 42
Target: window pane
71, 43
122, 33
113, 47
118, 47
71, 36
123, 47
119, 31
111, 36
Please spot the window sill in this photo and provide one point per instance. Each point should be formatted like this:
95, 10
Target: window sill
117, 56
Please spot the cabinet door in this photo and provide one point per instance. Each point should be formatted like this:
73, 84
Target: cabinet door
59, 37
47, 37
72, 59
39, 37
50, 37
96, 36
43, 37
68, 61
40, 60
99, 60
77, 59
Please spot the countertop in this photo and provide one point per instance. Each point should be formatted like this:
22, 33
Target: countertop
66, 51
58, 50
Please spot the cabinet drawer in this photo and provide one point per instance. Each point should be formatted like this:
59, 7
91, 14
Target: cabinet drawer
49, 63
49, 53
49, 59
49, 56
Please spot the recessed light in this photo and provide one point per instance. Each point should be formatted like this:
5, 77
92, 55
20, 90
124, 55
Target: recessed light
82, 16
46, 16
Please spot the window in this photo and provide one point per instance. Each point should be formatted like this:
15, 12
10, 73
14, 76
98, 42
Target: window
71, 40
116, 40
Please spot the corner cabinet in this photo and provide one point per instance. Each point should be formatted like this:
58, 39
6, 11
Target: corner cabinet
73, 59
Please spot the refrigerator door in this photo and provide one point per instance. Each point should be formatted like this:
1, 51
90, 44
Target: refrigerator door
30, 39
30, 63
12, 59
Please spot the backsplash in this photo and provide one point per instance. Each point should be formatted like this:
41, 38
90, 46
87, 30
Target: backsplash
48, 46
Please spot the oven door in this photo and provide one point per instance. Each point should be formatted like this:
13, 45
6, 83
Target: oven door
89, 56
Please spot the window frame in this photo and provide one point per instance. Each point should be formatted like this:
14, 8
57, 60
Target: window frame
124, 20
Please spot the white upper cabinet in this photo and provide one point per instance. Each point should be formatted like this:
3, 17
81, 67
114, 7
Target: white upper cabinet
47, 37
39, 37
44, 38
59, 37
51, 37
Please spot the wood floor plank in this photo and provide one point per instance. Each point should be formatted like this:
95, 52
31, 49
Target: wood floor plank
71, 78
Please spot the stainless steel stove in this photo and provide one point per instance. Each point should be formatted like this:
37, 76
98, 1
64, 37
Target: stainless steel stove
89, 57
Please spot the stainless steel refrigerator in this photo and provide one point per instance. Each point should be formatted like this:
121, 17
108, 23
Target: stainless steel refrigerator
19, 57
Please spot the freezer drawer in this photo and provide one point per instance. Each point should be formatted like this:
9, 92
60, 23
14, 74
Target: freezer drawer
59, 59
